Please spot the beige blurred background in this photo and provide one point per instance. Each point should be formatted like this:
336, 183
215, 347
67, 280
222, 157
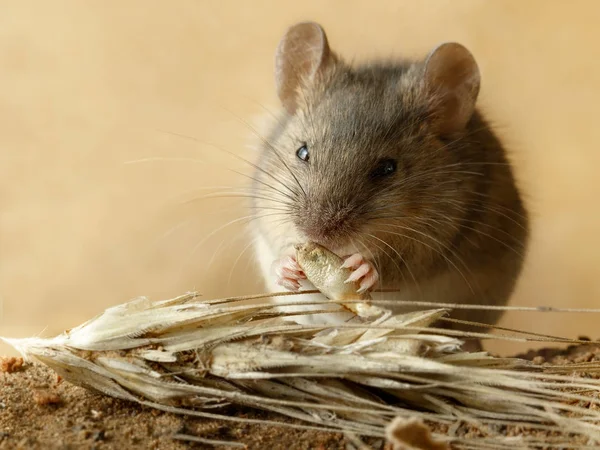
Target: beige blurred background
88, 87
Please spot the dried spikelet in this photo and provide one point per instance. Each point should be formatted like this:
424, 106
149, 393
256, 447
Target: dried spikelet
190, 356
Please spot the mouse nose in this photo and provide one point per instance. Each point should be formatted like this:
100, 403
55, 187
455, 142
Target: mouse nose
325, 225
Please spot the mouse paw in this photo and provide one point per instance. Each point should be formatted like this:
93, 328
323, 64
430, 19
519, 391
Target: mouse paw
364, 271
288, 273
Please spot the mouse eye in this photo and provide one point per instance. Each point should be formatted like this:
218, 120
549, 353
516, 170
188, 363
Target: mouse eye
384, 168
302, 153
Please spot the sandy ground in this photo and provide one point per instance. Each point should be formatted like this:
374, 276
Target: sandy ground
86, 87
39, 412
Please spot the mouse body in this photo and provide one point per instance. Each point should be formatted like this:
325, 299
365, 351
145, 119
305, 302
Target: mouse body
391, 165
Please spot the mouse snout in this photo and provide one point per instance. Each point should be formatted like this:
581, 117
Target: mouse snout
326, 225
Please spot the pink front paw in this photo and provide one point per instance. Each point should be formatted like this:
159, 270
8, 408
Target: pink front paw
288, 273
363, 271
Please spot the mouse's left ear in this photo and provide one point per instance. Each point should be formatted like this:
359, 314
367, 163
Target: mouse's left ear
452, 80
302, 56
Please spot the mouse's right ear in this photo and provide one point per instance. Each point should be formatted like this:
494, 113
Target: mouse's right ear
302, 55
452, 79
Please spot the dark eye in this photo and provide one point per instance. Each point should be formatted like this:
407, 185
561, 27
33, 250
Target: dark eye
384, 168
302, 153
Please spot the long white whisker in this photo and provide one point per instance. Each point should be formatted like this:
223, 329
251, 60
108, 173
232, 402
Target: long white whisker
249, 217
436, 250
399, 255
237, 260
251, 164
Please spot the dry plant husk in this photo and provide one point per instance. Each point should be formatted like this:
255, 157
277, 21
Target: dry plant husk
193, 356
373, 373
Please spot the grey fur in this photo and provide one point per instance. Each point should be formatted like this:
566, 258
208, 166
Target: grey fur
453, 199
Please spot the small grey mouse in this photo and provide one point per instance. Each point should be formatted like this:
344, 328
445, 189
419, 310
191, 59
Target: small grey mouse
392, 166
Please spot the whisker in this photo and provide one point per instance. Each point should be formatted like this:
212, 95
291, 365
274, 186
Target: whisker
426, 221
490, 206
399, 255
256, 180
174, 228
449, 220
400, 271
249, 217
272, 147
240, 196
452, 252
375, 260
427, 174
237, 260
223, 189
250, 163
444, 170
197, 161
217, 251
184, 223
505, 208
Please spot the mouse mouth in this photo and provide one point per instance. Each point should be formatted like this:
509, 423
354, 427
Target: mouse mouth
340, 245
333, 228
345, 250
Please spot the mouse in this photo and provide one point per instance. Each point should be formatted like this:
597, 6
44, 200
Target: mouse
392, 165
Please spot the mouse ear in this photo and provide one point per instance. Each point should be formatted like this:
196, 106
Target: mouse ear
302, 54
452, 79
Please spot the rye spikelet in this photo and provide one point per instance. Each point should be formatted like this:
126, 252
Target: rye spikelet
192, 356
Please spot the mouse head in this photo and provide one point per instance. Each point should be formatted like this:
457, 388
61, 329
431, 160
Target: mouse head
359, 151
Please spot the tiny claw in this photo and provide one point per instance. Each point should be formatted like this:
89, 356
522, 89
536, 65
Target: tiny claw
288, 273
290, 263
363, 269
293, 274
288, 284
368, 282
353, 261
